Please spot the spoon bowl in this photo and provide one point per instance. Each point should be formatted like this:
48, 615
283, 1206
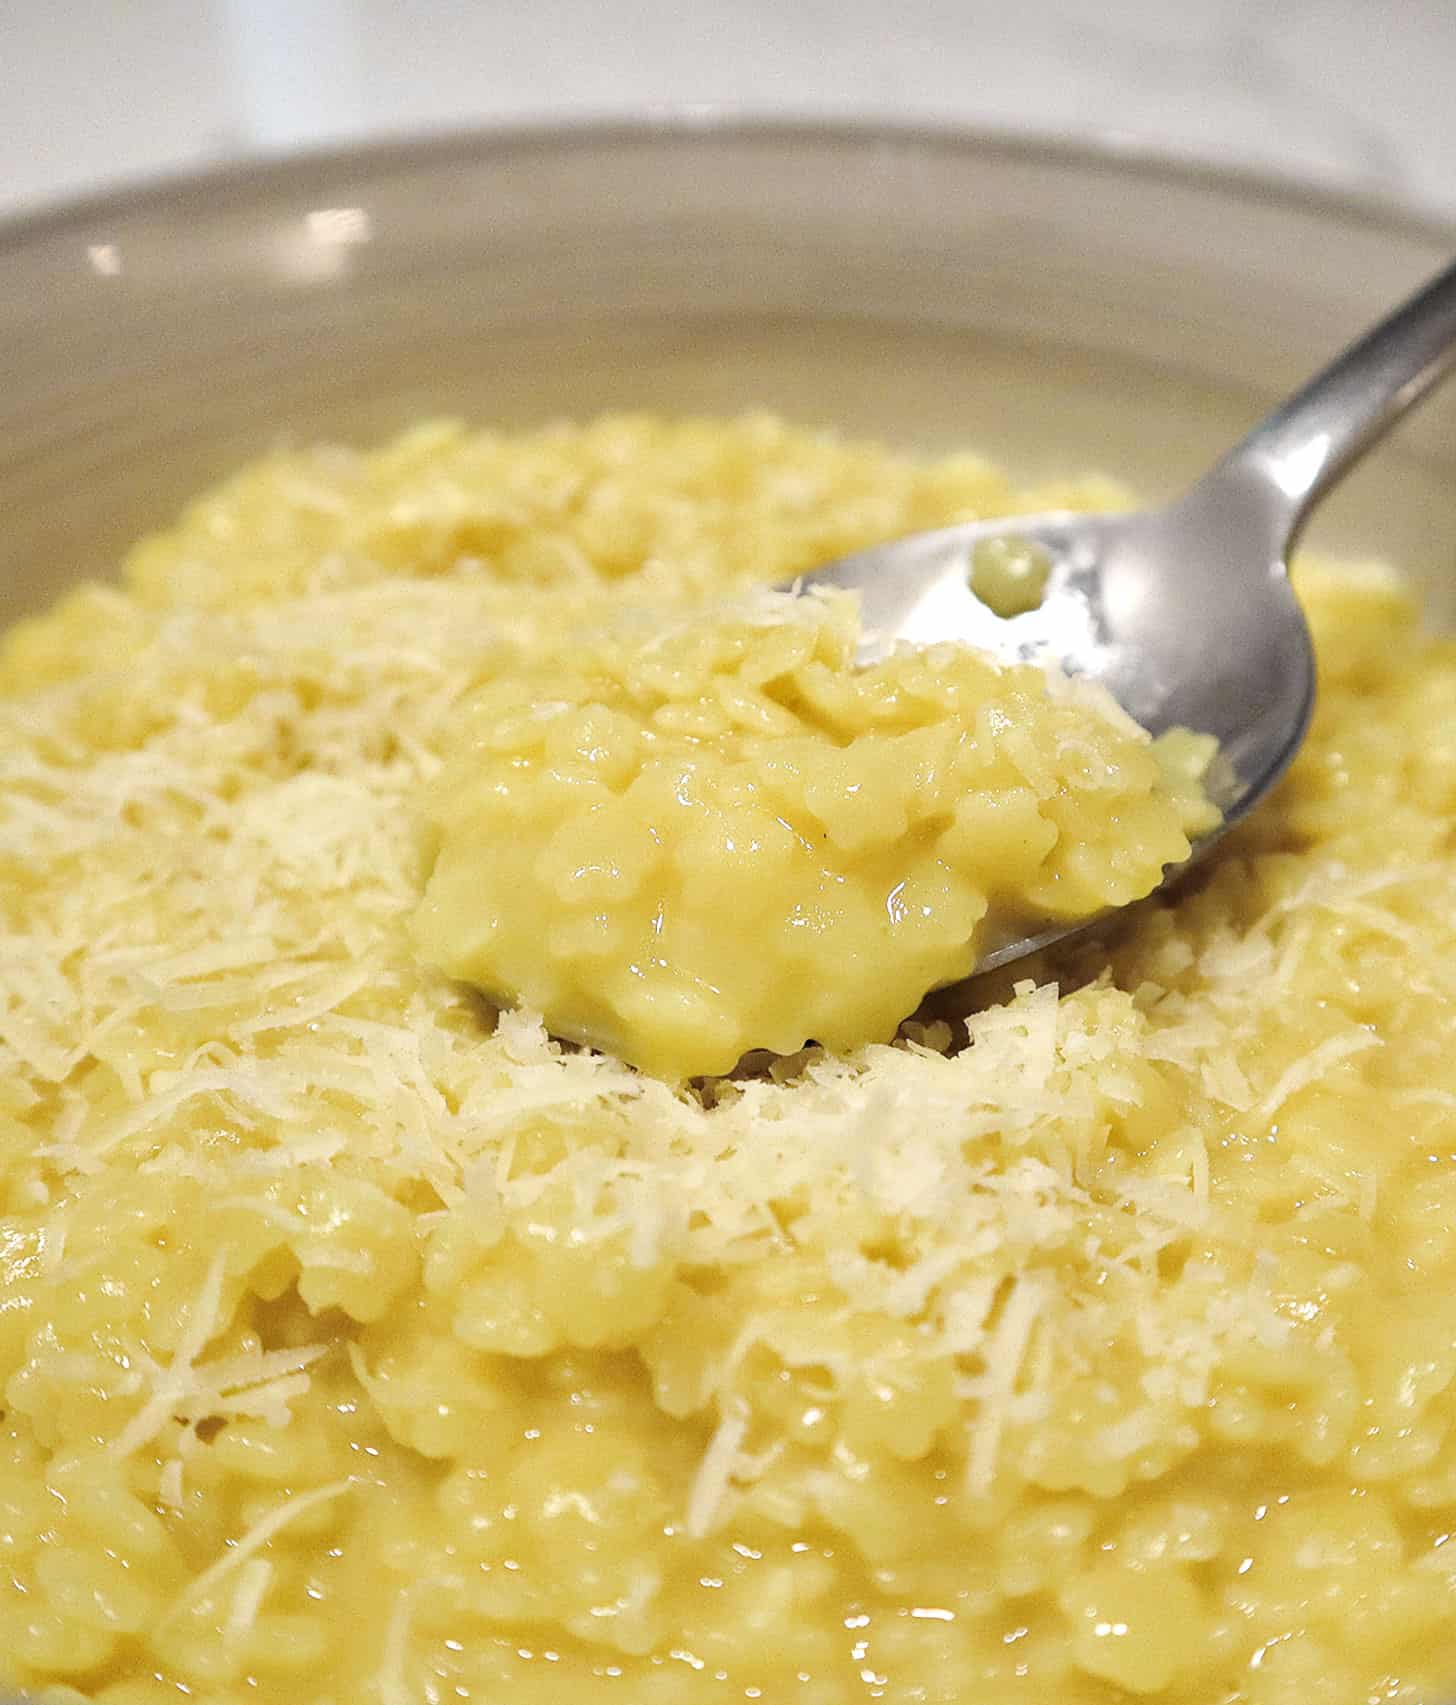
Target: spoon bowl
1185, 614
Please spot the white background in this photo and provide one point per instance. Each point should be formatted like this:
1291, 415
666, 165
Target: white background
1358, 92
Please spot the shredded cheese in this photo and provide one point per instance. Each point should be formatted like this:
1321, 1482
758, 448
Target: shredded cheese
263, 1532
715, 1472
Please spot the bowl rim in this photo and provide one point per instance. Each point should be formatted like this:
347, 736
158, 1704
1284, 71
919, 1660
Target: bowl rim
259, 175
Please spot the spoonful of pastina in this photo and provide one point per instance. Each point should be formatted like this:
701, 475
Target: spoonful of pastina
1184, 614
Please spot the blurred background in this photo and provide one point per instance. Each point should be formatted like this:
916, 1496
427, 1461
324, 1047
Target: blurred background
1361, 93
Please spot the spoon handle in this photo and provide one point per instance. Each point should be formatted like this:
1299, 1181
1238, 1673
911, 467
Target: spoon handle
1308, 443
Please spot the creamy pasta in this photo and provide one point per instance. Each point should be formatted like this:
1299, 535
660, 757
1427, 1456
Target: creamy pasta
1096, 1338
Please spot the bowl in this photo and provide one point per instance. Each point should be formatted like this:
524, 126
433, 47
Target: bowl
1053, 306
1029, 298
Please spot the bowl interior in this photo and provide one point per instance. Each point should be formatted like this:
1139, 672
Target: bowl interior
1062, 311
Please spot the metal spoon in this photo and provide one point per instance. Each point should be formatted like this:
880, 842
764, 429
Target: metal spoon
1185, 614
